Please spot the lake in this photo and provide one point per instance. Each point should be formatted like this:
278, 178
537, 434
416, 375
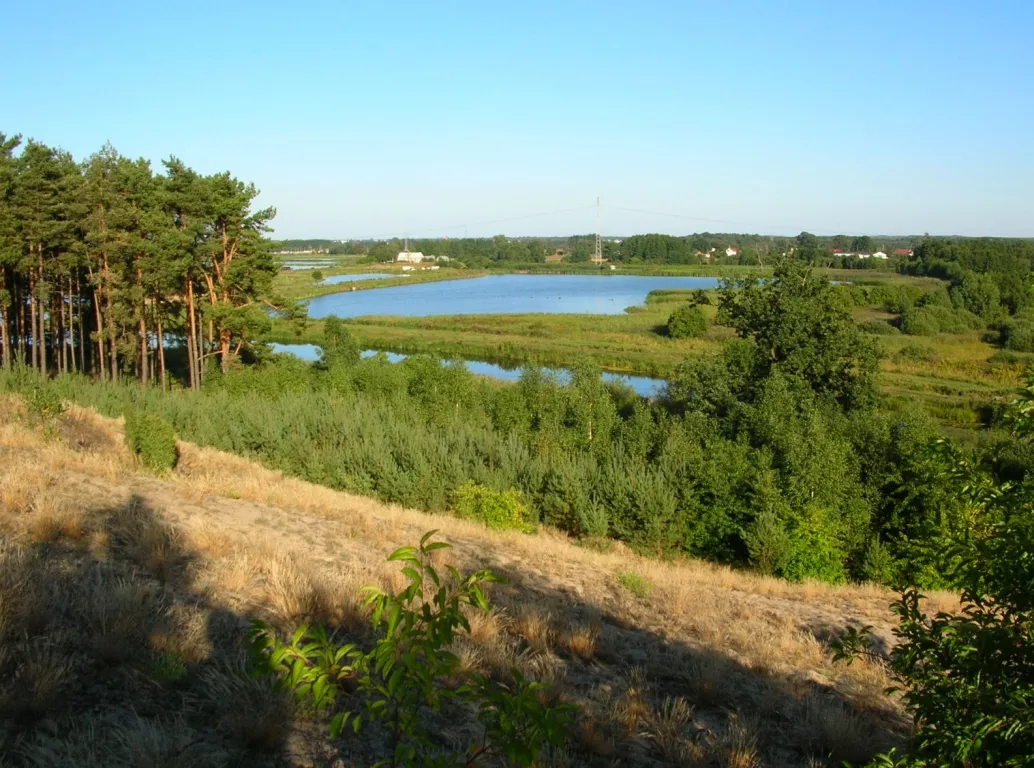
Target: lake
335, 279
643, 385
506, 294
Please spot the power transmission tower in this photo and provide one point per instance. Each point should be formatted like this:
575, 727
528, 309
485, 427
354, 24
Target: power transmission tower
598, 256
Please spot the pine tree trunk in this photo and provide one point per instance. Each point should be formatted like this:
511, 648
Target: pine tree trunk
79, 323
5, 347
112, 346
161, 352
42, 319
70, 328
32, 319
101, 359
192, 358
5, 341
143, 331
224, 349
23, 351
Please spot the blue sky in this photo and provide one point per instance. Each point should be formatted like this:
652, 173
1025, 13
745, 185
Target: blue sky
381, 119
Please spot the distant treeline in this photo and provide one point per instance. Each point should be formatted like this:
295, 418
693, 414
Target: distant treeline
700, 248
103, 260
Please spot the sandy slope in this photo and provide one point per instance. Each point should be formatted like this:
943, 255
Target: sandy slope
704, 666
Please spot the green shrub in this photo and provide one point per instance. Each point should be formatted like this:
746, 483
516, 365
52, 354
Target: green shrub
932, 319
1018, 335
168, 668
44, 402
412, 672
878, 563
503, 510
919, 322
878, 327
687, 322
152, 439
317, 276
638, 585
768, 544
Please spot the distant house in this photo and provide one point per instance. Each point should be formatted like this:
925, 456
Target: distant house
412, 257
903, 252
838, 251
879, 255
730, 251
553, 258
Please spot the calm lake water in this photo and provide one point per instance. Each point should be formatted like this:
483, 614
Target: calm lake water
335, 279
505, 294
643, 385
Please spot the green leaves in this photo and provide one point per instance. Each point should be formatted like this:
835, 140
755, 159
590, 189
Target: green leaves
410, 667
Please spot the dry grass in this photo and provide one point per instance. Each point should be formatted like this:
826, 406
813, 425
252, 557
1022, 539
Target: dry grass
580, 638
259, 716
704, 666
39, 679
533, 624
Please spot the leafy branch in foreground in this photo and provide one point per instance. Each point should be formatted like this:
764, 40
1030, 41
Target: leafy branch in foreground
968, 677
410, 672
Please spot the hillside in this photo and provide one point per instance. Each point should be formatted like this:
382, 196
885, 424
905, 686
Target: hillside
125, 598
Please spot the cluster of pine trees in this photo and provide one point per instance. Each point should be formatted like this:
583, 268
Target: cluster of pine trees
105, 264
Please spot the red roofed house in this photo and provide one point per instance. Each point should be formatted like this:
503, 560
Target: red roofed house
903, 252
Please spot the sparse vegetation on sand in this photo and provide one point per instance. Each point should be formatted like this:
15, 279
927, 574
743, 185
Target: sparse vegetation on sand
127, 600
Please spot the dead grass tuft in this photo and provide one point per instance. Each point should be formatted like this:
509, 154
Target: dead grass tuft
148, 541
24, 603
165, 744
533, 624
830, 730
253, 711
40, 676
485, 626
293, 594
183, 632
667, 726
213, 543
580, 639
117, 615
737, 745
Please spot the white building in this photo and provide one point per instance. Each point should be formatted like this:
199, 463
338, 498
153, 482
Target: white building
879, 255
412, 257
732, 251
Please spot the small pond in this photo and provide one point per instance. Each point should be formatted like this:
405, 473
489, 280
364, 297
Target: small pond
643, 385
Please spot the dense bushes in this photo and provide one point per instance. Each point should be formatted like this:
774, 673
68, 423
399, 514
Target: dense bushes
152, 439
968, 677
496, 509
687, 322
931, 319
1017, 333
878, 327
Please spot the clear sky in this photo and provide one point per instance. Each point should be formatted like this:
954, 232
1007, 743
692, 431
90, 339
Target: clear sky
431, 119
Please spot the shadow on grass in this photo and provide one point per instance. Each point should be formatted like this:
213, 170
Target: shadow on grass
111, 655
